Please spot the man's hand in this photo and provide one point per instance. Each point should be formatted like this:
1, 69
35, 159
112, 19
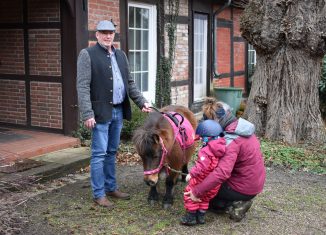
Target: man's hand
188, 177
146, 108
90, 123
192, 196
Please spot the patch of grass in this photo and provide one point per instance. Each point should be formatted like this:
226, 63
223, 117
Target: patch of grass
79, 216
310, 159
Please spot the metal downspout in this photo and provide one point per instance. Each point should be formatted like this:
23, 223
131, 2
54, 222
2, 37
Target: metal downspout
218, 11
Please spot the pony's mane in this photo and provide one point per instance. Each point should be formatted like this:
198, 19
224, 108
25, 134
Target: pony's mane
143, 137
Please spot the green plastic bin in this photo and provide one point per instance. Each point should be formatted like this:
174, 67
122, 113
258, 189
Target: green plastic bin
230, 95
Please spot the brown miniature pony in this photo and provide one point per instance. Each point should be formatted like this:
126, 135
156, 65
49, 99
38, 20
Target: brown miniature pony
166, 143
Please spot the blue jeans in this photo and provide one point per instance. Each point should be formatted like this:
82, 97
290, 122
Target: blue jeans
105, 143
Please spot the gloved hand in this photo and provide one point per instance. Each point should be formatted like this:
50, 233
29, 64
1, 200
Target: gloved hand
188, 177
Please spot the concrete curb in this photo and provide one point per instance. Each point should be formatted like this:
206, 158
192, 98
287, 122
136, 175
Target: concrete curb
55, 165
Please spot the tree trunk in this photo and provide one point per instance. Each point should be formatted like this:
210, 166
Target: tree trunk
290, 41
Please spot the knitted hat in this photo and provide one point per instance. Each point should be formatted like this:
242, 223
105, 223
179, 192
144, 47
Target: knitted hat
224, 114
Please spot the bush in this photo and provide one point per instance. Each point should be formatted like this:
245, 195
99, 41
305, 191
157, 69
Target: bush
138, 118
83, 134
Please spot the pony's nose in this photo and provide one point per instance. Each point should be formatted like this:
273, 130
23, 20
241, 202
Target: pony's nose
150, 182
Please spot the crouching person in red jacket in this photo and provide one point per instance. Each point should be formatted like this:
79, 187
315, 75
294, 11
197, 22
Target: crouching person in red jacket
241, 170
213, 148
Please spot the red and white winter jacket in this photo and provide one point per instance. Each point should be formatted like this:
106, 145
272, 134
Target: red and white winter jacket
207, 161
242, 165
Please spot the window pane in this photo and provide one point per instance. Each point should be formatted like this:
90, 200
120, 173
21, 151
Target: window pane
138, 17
144, 40
131, 17
131, 41
145, 15
138, 40
132, 61
137, 77
137, 66
144, 61
144, 82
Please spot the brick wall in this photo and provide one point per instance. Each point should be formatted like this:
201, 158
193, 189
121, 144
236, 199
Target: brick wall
239, 56
236, 21
12, 54
12, 102
223, 50
239, 48
180, 70
44, 60
225, 14
45, 52
179, 95
239, 81
181, 65
222, 82
223, 47
183, 9
10, 11
43, 11
46, 104
103, 10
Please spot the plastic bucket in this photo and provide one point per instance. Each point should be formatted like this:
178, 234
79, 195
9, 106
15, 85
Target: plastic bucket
230, 95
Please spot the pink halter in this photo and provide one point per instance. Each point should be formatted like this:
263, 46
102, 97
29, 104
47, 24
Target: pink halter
160, 166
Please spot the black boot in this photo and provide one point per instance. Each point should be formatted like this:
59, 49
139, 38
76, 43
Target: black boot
189, 219
201, 217
218, 206
239, 209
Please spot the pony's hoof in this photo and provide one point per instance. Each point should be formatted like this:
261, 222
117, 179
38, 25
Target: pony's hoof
152, 202
167, 206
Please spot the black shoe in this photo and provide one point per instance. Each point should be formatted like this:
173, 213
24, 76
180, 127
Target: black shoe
189, 219
239, 209
200, 217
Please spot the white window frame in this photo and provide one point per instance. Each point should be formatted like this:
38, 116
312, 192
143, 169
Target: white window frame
200, 89
152, 48
251, 55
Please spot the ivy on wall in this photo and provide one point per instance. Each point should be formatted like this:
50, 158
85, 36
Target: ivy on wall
164, 70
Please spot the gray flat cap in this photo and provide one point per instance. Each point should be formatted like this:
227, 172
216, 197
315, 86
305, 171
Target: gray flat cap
105, 25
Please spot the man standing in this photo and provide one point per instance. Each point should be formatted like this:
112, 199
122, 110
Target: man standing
104, 86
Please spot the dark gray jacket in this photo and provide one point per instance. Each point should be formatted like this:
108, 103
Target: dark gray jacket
95, 84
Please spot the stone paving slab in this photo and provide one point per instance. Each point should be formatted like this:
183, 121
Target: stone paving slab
55, 164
